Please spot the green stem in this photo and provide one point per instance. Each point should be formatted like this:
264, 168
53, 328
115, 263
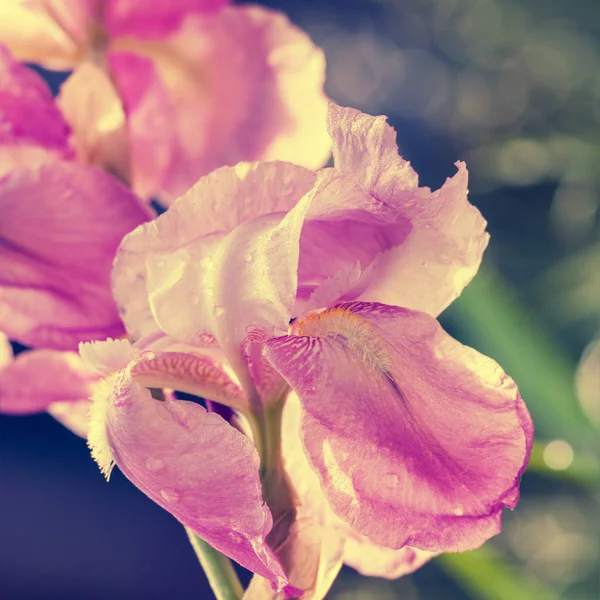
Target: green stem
218, 568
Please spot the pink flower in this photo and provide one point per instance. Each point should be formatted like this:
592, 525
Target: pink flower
325, 284
39, 380
173, 90
61, 223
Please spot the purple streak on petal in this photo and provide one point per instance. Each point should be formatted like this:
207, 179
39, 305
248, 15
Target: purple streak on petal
60, 228
197, 467
417, 439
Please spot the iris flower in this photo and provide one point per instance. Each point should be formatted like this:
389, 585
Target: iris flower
61, 223
163, 92
307, 302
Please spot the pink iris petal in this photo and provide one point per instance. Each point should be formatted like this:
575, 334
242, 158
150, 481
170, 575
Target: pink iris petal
90, 104
150, 124
193, 464
166, 363
312, 558
405, 426
240, 84
358, 551
61, 225
32, 130
447, 235
191, 373
139, 19
345, 231
38, 379
172, 264
376, 561
28, 115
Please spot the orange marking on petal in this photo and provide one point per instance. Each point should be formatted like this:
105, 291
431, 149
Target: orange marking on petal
342, 324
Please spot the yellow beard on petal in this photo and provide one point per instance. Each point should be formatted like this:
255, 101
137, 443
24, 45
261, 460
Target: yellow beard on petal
340, 323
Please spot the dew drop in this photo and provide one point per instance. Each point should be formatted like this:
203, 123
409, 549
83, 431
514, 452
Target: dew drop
154, 464
169, 495
248, 258
235, 537
459, 512
219, 311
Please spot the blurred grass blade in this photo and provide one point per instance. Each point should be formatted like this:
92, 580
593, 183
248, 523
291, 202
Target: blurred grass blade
486, 576
490, 317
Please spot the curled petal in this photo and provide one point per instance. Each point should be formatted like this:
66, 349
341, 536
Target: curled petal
366, 146
417, 440
191, 373
38, 379
439, 257
173, 260
446, 237
237, 85
61, 225
190, 462
345, 231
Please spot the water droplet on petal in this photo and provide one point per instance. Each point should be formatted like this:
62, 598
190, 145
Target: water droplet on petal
248, 258
170, 495
459, 512
154, 464
219, 311
235, 537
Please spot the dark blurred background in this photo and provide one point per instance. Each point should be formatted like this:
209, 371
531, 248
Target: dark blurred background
513, 88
